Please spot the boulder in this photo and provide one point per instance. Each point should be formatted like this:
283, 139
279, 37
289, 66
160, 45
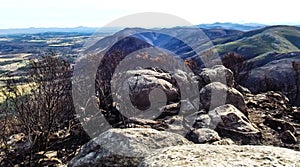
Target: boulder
18, 143
274, 117
217, 73
203, 135
222, 155
216, 94
232, 123
124, 147
141, 82
154, 93
197, 120
227, 120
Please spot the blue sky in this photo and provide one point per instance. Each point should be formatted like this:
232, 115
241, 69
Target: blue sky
97, 13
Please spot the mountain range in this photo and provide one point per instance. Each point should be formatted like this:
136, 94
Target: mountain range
270, 52
34, 30
232, 26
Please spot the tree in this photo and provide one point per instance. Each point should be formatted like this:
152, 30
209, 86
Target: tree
43, 102
237, 64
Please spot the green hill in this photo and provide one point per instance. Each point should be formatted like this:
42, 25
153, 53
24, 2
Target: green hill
280, 39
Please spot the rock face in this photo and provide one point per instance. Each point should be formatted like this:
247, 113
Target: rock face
222, 155
216, 94
124, 147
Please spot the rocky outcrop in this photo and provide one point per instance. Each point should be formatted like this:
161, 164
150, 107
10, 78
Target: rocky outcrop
222, 155
269, 101
216, 94
274, 118
229, 114
124, 147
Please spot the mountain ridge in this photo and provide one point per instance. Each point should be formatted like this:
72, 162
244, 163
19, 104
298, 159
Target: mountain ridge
217, 25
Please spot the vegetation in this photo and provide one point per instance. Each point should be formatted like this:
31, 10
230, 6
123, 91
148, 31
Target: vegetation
237, 64
42, 111
280, 39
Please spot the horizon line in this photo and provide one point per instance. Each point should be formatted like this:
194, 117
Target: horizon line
99, 27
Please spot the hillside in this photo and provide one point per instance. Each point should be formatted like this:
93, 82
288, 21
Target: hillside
279, 39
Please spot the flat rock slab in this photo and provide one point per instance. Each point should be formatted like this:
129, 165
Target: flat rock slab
124, 147
222, 155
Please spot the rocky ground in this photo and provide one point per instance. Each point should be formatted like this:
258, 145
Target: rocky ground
227, 126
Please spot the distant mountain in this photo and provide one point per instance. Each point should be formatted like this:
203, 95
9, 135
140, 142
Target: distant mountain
81, 29
43, 30
253, 44
176, 43
270, 50
232, 26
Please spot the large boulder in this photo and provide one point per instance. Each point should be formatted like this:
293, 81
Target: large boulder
227, 120
222, 155
232, 123
124, 147
154, 93
142, 82
216, 94
217, 73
